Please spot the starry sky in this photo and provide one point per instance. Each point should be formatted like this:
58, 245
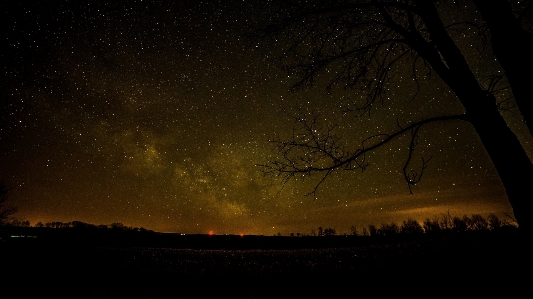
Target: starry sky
155, 114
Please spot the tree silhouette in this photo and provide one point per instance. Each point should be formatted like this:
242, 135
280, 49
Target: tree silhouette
460, 224
353, 230
431, 226
494, 222
363, 46
372, 230
411, 226
330, 232
389, 229
477, 222
5, 211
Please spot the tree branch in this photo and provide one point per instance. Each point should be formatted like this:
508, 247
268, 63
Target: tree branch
314, 151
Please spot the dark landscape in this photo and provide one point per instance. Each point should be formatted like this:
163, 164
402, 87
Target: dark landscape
85, 263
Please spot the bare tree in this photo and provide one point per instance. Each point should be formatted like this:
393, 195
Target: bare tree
431, 226
353, 230
412, 227
330, 232
362, 46
389, 229
373, 230
494, 222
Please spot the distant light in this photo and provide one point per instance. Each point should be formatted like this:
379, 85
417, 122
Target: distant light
211, 233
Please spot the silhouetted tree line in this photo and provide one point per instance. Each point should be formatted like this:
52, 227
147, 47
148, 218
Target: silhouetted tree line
116, 226
76, 233
445, 223
7, 219
321, 232
327, 231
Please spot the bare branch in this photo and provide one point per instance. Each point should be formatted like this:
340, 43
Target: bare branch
413, 177
313, 149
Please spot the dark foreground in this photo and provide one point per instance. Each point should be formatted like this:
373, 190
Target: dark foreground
459, 265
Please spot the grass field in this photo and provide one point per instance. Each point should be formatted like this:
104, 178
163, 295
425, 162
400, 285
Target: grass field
458, 265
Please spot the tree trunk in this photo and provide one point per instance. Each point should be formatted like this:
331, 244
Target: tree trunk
513, 47
507, 154
511, 161
509, 158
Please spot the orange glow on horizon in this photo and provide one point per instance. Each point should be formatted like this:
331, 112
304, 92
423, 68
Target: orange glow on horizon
211, 232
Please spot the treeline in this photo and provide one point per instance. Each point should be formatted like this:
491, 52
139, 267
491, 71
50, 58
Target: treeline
475, 222
445, 223
75, 233
116, 226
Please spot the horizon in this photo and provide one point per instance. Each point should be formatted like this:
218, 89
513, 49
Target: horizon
312, 232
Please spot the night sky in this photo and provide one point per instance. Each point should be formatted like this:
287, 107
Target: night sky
155, 115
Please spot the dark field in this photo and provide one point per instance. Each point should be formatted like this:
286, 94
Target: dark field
458, 265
